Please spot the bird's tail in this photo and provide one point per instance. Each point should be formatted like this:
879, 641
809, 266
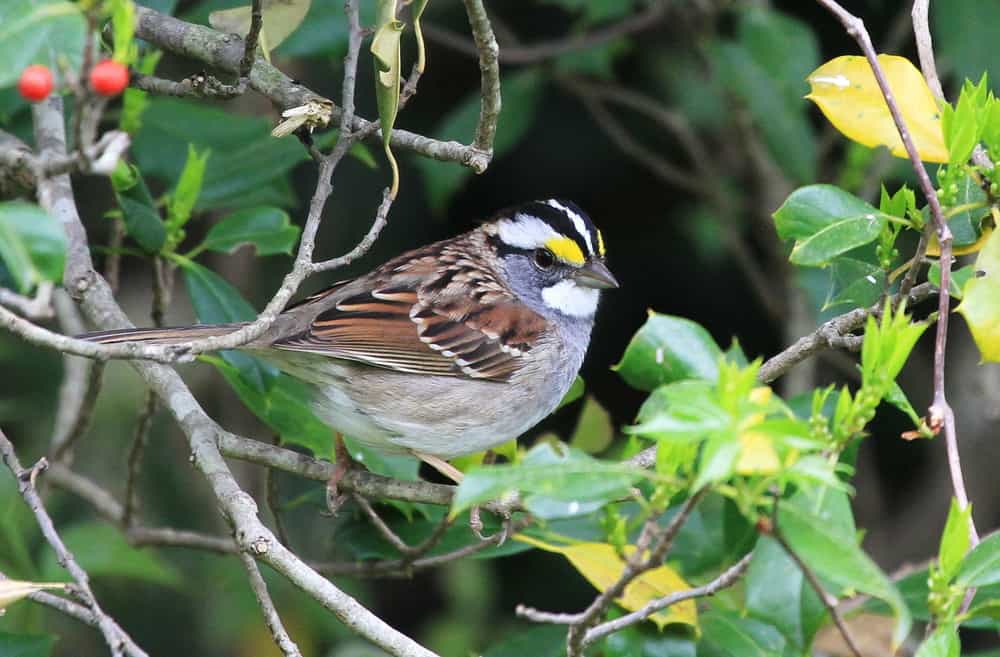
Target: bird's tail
166, 335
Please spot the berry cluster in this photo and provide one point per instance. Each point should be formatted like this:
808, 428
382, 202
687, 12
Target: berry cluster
107, 78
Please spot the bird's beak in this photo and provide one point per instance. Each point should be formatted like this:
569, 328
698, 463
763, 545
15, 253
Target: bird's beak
595, 274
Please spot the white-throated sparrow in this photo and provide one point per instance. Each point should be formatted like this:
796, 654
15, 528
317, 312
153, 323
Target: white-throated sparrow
449, 349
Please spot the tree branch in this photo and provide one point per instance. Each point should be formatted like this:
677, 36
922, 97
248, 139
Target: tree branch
114, 636
940, 415
271, 618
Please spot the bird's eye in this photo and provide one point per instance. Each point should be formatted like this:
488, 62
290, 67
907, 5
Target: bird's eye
544, 259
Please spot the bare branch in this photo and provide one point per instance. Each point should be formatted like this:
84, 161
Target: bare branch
925, 47
829, 601
114, 636
489, 69
940, 414
271, 618
727, 578
831, 334
225, 53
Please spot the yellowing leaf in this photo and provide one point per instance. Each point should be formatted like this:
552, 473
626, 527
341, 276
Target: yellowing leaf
981, 300
845, 90
602, 567
386, 53
280, 19
757, 455
507, 450
934, 249
594, 430
12, 590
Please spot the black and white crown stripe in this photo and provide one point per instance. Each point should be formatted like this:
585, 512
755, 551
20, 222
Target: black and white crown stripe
534, 224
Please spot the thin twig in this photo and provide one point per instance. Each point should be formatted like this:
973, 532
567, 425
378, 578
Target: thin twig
829, 601
36, 307
489, 69
114, 636
940, 415
727, 578
139, 439
272, 499
925, 47
250, 42
271, 617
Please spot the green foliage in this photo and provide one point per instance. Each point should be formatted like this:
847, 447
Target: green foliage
668, 349
48, 32
103, 552
553, 483
182, 200
26, 645
32, 245
142, 219
981, 567
728, 634
268, 229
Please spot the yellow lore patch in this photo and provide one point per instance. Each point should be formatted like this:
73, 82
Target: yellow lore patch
566, 250
600, 243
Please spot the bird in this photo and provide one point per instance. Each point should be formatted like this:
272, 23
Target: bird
446, 350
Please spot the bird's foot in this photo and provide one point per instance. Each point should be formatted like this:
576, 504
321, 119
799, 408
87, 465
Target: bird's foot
335, 499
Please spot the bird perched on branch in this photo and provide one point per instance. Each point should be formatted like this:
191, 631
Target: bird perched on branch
446, 350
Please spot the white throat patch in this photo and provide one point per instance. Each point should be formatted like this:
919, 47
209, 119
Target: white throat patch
571, 299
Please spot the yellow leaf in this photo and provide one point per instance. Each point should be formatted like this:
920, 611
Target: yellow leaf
12, 590
602, 567
508, 450
280, 19
981, 300
934, 248
594, 430
757, 455
845, 90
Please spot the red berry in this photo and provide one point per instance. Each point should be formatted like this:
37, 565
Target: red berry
35, 83
108, 78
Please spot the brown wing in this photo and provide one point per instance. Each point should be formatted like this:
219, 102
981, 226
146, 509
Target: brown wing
460, 322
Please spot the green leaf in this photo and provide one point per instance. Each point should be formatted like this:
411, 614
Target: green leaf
778, 593
727, 633
142, 219
836, 557
943, 642
954, 539
839, 237
32, 244
668, 349
26, 645
185, 194
981, 566
956, 284
714, 536
267, 229
981, 303
214, 299
280, 19
282, 403
522, 95
966, 226
682, 411
103, 552
854, 283
960, 126
123, 31
249, 167
534, 640
48, 32
553, 483
135, 101
575, 392
594, 430
810, 209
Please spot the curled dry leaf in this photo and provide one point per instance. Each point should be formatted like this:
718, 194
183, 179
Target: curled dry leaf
12, 590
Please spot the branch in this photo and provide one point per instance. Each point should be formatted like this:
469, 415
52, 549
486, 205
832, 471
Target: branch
36, 307
940, 414
723, 581
829, 601
225, 53
238, 508
114, 636
271, 618
489, 68
832, 333
925, 47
